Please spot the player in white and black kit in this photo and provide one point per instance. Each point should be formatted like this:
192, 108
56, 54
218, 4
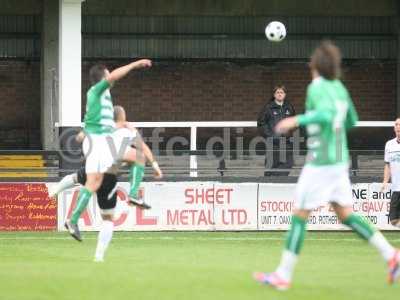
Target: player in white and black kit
392, 171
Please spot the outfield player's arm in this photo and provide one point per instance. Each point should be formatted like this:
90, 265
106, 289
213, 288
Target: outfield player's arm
80, 137
148, 154
386, 176
121, 72
139, 143
386, 170
315, 114
315, 117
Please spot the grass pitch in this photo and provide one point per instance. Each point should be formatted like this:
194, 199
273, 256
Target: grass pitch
176, 265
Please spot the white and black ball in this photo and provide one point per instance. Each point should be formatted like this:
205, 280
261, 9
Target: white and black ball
275, 31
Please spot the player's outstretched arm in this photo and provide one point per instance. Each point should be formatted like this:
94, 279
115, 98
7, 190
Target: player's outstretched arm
148, 154
150, 158
121, 72
144, 150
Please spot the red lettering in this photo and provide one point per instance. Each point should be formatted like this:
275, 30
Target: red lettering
140, 218
172, 219
183, 217
200, 195
242, 216
189, 196
229, 195
263, 206
224, 219
210, 196
219, 196
202, 218
189, 217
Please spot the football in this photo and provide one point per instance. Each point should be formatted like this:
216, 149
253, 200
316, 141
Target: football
275, 31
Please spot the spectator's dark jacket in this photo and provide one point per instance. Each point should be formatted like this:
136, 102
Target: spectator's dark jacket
271, 114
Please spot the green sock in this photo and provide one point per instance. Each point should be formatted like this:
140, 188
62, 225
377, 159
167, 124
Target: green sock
296, 234
360, 225
136, 174
83, 200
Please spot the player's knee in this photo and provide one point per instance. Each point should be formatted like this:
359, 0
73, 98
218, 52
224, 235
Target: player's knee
107, 217
342, 212
93, 182
93, 186
130, 156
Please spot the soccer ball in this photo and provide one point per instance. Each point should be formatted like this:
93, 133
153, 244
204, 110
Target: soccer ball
275, 31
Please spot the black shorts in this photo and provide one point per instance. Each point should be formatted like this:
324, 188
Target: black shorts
394, 212
106, 195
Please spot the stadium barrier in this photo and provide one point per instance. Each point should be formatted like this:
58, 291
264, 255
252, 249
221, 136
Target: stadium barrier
184, 206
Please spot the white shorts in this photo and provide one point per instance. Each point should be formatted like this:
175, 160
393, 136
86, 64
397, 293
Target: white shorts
105, 151
123, 139
97, 153
319, 185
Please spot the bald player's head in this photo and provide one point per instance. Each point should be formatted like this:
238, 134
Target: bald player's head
119, 114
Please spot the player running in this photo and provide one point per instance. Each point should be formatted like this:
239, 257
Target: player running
99, 126
392, 171
325, 176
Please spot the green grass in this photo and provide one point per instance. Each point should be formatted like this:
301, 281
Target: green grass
175, 265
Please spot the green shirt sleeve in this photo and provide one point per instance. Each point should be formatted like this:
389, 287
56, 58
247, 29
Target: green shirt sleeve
100, 87
314, 114
315, 117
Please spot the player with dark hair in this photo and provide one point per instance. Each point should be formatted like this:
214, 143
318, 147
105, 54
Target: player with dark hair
125, 135
325, 177
99, 127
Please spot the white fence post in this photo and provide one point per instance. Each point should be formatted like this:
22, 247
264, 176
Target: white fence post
193, 147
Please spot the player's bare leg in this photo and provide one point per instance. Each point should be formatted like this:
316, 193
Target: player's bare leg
366, 231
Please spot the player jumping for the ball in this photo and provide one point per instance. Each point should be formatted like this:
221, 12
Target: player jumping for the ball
126, 136
99, 126
325, 177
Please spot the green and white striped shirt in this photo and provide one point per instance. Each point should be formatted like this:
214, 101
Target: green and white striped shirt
99, 116
329, 114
